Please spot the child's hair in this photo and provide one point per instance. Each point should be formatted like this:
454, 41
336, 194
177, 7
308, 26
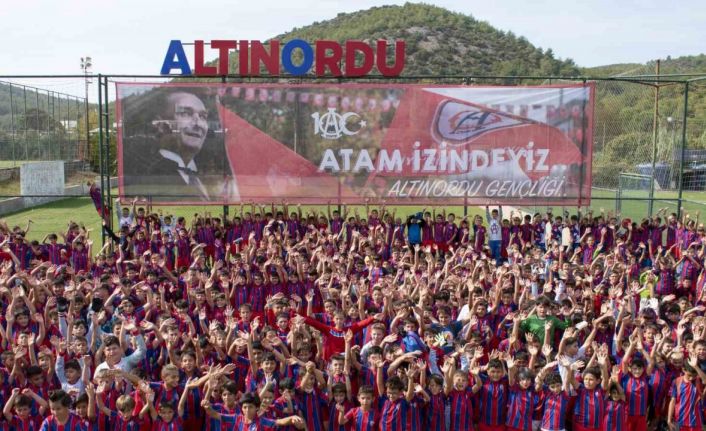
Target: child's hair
250, 398
394, 383
34, 370
166, 405
594, 371
339, 388
60, 397
82, 399
689, 369
495, 363
366, 389
613, 387
72, 365
525, 374
375, 350
637, 362
521, 356
232, 388
169, 368
553, 379
461, 373
286, 383
337, 357
125, 403
23, 401
437, 379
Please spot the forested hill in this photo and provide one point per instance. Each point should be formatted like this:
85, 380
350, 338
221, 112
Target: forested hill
439, 42
684, 64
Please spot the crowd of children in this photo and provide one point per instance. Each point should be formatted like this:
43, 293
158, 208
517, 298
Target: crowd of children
336, 321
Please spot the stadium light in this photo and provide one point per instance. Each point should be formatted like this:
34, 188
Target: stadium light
86, 65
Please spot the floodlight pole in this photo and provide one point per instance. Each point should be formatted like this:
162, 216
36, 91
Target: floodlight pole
655, 125
683, 148
86, 66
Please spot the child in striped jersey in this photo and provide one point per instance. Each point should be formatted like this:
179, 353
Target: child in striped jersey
460, 396
589, 408
363, 418
124, 418
555, 397
434, 412
686, 394
248, 420
616, 408
522, 399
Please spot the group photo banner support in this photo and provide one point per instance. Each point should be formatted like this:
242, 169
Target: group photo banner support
197, 143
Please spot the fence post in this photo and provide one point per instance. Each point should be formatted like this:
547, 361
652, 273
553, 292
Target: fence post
107, 150
655, 125
100, 152
683, 148
12, 121
223, 167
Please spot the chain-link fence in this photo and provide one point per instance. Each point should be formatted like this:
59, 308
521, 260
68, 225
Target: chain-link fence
637, 149
46, 131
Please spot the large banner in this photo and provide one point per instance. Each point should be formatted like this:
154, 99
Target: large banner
318, 143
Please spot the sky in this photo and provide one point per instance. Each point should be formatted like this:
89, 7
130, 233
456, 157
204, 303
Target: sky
131, 36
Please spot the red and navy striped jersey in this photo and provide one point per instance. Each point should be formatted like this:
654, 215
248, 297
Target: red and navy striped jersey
359, 420
175, 425
395, 416
636, 393
238, 423
435, 412
213, 424
72, 424
312, 406
493, 400
520, 407
461, 409
615, 418
117, 423
686, 395
589, 407
417, 407
31, 424
333, 424
554, 410
161, 393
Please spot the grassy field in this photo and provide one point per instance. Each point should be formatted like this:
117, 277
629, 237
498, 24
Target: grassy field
693, 201
11, 163
54, 216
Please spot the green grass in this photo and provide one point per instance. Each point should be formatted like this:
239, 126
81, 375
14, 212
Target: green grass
693, 201
53, 217
11, 163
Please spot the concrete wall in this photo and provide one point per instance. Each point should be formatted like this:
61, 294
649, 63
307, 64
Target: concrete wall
70, 168
13, 205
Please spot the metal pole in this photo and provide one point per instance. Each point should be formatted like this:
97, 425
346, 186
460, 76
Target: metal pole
88, 141
100, 150
655, 125
107, 147
36, 112
24, 90
582, 172
225, 168
683, 147
12, 121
